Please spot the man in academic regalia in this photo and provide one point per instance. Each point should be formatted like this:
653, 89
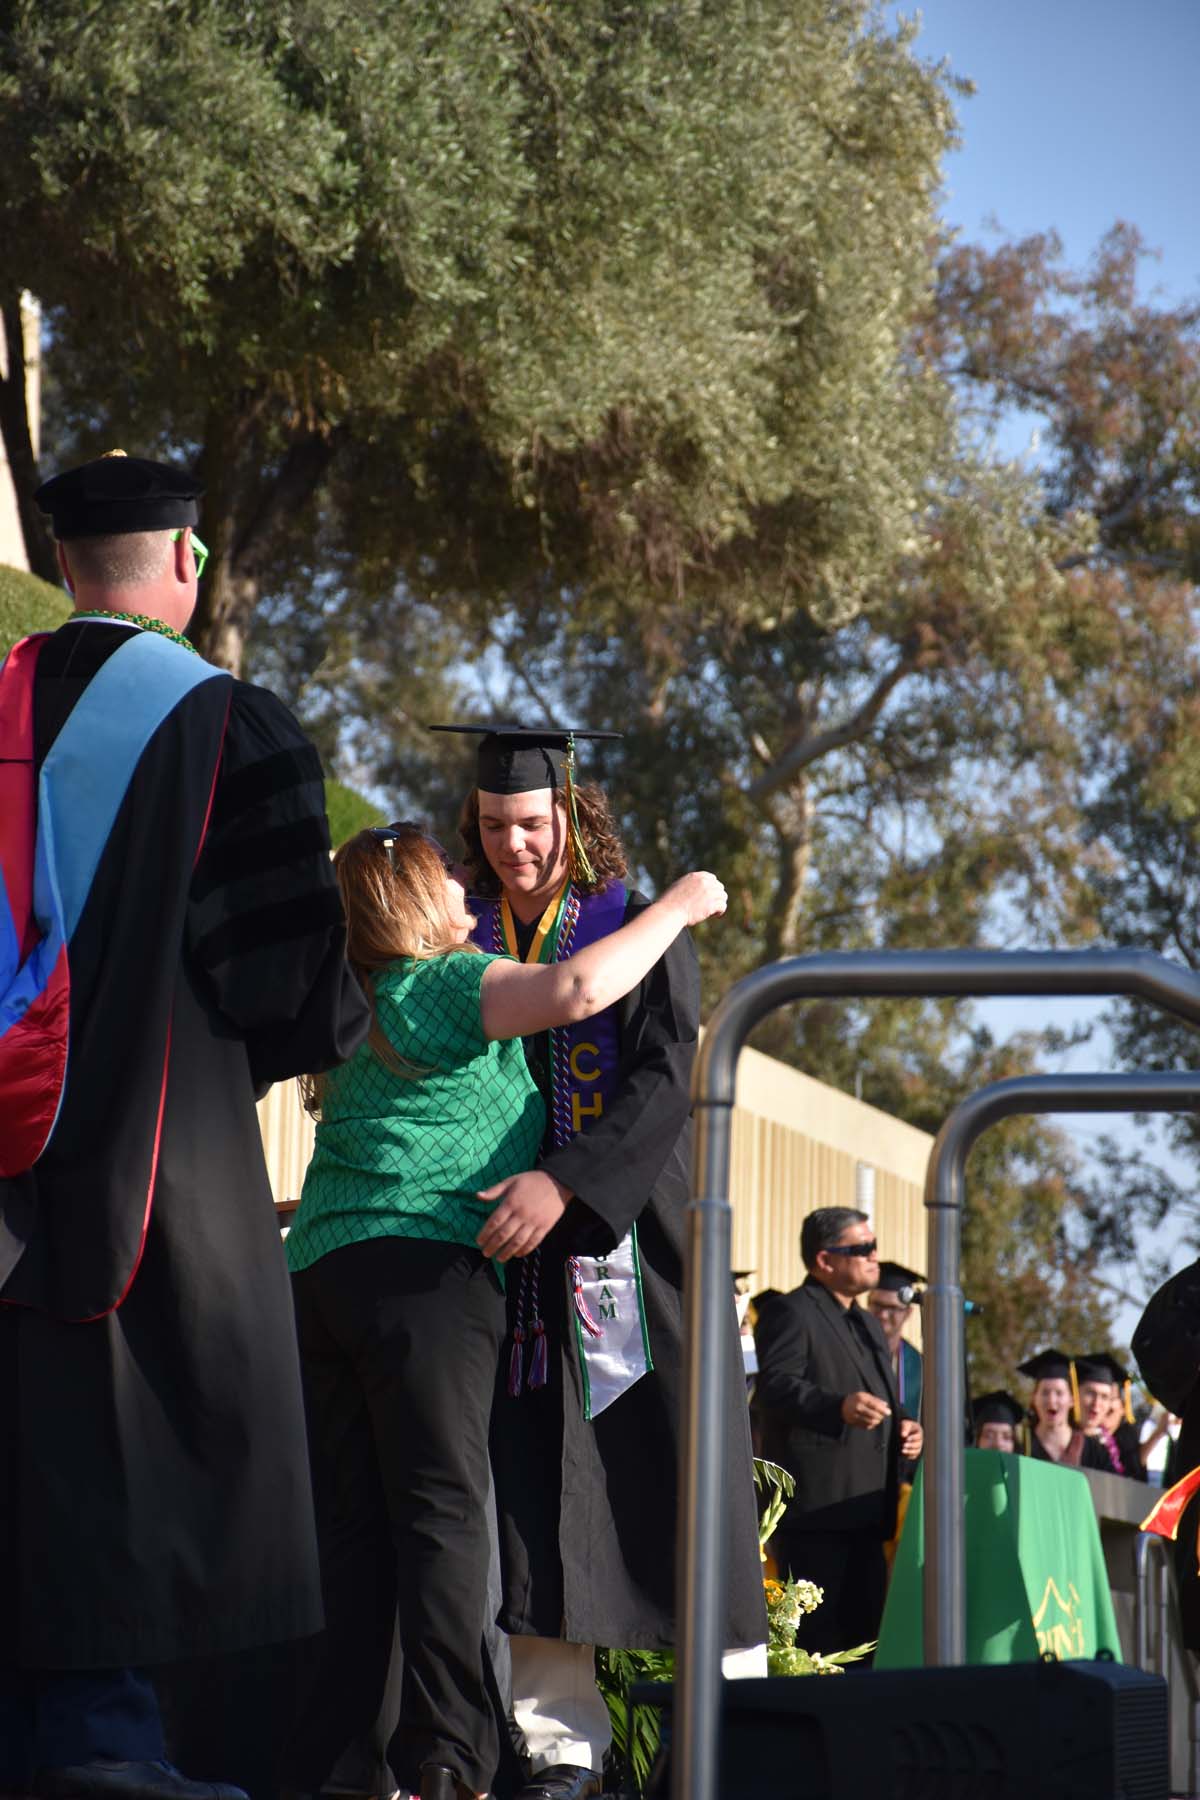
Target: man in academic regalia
1166, 1345
154, 1499
891, 1304
828, 1411
586, 1425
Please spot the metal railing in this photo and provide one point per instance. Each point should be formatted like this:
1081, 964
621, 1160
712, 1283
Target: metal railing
708, 1373
1156, 1604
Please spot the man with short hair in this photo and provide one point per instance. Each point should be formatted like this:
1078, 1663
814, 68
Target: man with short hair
587, 1420
829, 1412
890, 1304
181, 945
1105, 1413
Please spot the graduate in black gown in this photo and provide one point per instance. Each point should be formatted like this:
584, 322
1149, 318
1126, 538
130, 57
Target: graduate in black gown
586, 1456
998, 1422
154, 1490
1107, 1414
1057, 1435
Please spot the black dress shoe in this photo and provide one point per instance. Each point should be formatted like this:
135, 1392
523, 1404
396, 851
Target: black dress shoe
107, 1780
440, 1783
564, 1781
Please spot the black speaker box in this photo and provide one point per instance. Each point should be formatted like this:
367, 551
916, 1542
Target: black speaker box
1032, 1731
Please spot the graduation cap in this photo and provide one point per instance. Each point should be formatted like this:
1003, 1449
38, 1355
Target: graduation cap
1100, 1366
996, 1408
117, 494
1052, 1365
898, 1280
519, 759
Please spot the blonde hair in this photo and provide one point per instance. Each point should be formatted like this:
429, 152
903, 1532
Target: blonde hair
394, 895
119, 559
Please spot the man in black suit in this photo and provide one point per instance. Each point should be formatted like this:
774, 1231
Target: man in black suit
829, 1413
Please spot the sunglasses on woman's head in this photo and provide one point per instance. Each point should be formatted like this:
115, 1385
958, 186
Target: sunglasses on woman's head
387, 835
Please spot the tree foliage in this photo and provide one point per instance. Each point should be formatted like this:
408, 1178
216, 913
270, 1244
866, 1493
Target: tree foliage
608, 361
27, 604
623, 275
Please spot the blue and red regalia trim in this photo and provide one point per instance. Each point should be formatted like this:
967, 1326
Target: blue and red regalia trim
54, 825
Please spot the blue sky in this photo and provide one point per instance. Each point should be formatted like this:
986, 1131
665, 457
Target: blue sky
1086, 112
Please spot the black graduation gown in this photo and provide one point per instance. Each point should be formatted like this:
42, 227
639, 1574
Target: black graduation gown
1166, 1347
154, 1498
590, 1555
1094, 1455
1129, 1445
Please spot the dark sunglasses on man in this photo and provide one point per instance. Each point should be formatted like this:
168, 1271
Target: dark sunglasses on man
852, 1249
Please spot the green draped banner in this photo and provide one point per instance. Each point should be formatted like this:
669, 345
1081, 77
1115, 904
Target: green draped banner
1036, 1579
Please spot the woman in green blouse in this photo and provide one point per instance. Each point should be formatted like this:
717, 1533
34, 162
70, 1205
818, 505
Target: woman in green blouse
400, 1316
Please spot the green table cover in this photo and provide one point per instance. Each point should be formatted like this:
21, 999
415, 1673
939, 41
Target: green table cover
1036, 1579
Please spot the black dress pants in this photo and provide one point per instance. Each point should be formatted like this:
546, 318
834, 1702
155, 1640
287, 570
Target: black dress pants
851, 1568
399, 1342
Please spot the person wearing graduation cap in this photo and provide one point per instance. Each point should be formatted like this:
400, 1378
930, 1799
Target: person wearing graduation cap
585, 1442
189, 951
1106, 1413
996, 1420
891, 1304
1056, 1436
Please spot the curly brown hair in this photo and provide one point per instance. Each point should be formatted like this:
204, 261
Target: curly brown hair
597, 827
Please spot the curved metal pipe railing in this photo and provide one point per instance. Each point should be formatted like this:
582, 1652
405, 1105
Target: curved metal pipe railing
708, 1372
945, 1397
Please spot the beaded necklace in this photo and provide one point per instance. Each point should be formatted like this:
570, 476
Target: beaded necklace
142, 619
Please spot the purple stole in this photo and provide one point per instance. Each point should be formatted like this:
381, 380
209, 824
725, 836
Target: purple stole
605, 1297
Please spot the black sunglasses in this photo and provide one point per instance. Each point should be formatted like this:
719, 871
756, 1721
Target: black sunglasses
387, 835
852, 1249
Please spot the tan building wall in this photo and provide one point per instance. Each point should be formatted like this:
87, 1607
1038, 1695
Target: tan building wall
797, 1144
12, 543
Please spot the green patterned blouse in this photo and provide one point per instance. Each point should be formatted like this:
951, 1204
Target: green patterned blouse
404, 1156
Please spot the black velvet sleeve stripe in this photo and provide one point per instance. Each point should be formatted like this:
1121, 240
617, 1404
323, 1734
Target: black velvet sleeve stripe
268, 778
305, 916
230, 859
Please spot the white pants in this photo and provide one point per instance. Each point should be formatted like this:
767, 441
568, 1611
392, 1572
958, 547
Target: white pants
560, 1709
557, 1704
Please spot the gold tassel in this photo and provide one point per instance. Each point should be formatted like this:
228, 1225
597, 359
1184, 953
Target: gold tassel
1128, 1393
579, 864
1075, 1393
109, 453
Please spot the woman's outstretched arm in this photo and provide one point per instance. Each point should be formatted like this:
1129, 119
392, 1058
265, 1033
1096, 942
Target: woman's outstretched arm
518, 999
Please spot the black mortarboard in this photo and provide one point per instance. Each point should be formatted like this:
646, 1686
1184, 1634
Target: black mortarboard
997, 1408
1047, 1365
894, 1276
1100, 1366
116, 494
518, 759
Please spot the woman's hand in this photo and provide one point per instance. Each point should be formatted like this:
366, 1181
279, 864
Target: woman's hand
699, 895
528, 1206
